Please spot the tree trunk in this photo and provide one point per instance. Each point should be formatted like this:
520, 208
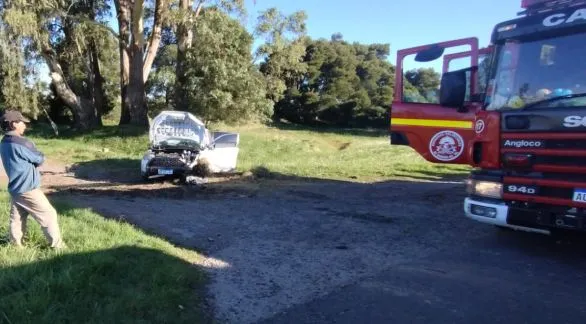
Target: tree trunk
124, 79
184, 42
84, 113
155, 39
134, 66
135, 92
97, 81
123, 9
168, 96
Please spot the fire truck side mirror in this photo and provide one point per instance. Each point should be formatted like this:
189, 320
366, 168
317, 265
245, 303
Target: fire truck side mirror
433, 52
453, 89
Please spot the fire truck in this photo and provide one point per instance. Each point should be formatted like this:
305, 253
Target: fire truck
516, 113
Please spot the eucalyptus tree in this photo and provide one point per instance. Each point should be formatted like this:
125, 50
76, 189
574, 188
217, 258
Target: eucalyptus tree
58, 33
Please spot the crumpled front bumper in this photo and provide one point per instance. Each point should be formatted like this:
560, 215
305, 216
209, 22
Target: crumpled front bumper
174, 168
160, 171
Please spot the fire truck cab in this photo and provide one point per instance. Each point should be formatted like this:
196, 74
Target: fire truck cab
516, 114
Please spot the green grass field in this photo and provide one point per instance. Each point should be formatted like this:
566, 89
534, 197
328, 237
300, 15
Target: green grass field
115, 272
111, 273
351, 155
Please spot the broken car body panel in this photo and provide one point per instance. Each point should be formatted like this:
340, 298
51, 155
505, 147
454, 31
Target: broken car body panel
179, 142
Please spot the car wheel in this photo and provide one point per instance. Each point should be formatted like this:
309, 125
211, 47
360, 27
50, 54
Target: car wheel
145, 177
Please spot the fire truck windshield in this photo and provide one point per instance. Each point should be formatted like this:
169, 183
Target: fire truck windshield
533, 73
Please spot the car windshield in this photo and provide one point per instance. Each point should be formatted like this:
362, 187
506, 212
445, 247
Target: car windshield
535, 72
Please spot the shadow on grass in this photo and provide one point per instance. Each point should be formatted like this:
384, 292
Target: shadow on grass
124, 284
110, 170
127, 171
263, 172
436, 175
123, 171
125, 182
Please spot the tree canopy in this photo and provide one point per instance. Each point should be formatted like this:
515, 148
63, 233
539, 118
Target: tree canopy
190, 55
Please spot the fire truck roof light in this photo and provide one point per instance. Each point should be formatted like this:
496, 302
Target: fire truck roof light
507, 27
533, 7
530, 3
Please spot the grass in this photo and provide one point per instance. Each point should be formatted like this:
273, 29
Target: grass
341, 155
111, 272
107, 143
353, 155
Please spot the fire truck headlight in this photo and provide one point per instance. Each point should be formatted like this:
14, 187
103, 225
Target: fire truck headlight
484, 188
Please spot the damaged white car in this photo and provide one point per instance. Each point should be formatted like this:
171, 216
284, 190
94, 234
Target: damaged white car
181, 146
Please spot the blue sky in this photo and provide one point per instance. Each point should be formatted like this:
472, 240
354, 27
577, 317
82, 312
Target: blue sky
401, 23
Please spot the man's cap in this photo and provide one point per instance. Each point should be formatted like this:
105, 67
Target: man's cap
14, 116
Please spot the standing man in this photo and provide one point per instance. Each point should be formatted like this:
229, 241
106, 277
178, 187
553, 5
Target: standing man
21, 158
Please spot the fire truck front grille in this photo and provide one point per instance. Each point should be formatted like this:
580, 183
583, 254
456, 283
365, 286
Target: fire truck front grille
554, 173
568, 144
576, 177
555, 192
578, 161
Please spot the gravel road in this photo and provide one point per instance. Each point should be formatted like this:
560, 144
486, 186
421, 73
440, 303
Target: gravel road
341, 252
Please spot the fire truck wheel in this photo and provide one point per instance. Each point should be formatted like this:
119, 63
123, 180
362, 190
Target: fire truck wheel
144, 177
502, 228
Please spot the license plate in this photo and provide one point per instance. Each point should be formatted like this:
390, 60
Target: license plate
165, 171
579, 195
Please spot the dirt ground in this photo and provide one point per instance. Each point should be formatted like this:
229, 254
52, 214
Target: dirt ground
312, 251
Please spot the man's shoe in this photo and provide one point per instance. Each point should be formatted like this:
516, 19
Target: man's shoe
61, 246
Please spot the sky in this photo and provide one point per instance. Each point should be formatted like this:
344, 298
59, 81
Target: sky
400, 23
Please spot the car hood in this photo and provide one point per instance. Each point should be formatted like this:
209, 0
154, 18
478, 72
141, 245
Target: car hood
178, 129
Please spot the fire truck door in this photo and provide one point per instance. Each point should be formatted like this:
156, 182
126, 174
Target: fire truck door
437, 127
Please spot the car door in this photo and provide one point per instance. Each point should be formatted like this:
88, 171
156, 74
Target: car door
439, 131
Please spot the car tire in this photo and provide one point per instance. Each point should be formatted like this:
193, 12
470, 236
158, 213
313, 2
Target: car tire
145, 177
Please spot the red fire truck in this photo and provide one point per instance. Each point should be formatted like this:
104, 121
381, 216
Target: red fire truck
518, 118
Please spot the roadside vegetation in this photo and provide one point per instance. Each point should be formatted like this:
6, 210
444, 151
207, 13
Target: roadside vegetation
201, 57
330, 96
111, 272
267, 152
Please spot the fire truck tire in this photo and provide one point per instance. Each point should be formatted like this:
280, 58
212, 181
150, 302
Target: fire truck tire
502, 228
145, 177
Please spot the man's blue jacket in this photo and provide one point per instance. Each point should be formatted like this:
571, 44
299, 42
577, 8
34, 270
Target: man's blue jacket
20, 158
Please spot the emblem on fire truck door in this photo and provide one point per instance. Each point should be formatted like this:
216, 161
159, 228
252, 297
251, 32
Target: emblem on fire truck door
479, 126
446, 145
